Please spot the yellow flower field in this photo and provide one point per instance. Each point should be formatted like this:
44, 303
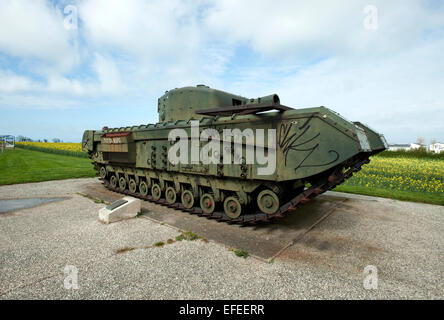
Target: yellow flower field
75, 147
402, 174
62, 148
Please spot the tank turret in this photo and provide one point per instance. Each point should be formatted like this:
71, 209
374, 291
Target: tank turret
183, 103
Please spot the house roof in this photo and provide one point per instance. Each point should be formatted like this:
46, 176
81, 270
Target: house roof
399, 145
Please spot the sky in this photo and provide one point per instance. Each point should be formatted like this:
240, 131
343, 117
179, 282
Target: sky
68, 66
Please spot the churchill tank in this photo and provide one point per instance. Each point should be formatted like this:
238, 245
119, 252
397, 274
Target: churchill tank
231, 158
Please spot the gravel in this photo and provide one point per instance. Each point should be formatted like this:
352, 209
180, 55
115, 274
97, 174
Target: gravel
403, 240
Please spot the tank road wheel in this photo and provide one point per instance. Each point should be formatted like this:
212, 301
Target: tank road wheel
187, 199
132, 185
122, 183
268, 202
207, 203
102, 172
113, 181
143, 188
232, 207
170, 195
156, 192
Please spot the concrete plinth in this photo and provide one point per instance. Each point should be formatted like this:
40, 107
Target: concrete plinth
125, 208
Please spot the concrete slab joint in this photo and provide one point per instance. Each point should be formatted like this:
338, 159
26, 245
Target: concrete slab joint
125, 208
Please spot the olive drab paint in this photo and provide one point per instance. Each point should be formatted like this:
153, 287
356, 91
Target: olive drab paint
226, 152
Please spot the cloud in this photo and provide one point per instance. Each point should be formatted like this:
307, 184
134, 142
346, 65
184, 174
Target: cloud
319, 28
162, 44
108, 75
106, 81
147, 30
309, 52
10, 82
34, 30
400, 95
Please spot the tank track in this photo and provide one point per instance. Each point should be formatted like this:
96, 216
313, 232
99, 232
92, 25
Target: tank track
337, 177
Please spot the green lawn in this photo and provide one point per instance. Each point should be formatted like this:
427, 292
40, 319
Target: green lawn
392, 194
20, 166
417, 179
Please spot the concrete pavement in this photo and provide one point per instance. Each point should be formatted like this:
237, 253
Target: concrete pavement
404, 241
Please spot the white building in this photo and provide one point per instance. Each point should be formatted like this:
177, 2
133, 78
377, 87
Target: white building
414, 146
406, 147
437, 147
398, 147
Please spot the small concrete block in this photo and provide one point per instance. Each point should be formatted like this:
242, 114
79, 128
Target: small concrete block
125, 208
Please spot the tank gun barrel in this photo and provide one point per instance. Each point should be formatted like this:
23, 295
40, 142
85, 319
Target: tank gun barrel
272, 98
243, 109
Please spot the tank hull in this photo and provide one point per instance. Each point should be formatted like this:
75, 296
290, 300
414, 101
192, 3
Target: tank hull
307, 152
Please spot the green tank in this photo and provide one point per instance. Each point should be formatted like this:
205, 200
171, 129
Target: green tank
229, 157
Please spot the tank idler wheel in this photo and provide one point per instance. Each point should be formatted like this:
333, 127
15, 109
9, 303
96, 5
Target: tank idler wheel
156, 192
113, 181
187, 199
102, 172
132, 185
207, 203
232, 207
268, 202
170, 195
143, 188
122, 183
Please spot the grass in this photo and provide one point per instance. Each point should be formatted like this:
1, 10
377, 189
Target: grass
392, 194
240, 253
188, 235
22, 166
124, 249
48, 149
96, 200
419, 154
185, 235
408, 176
